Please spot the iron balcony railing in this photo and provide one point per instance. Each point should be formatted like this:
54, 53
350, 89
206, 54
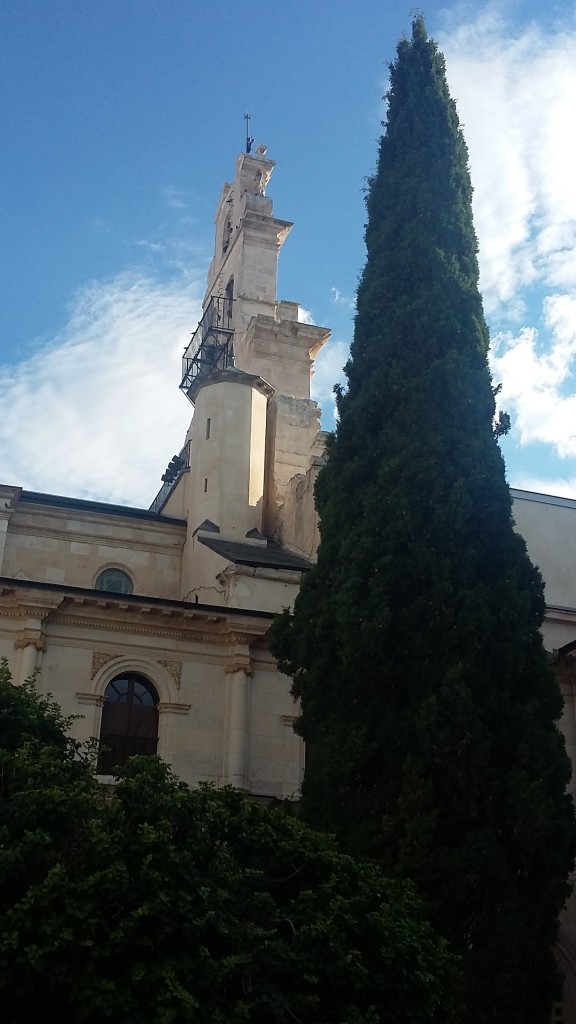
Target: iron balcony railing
211, 347
176, 467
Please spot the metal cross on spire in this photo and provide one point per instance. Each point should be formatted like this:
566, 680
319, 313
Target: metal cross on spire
249, 139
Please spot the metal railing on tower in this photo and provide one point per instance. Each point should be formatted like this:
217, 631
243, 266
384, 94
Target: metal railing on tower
211, 348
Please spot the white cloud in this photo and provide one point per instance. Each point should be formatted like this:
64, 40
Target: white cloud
97, 413
342, 300
560, 487
535, 380
305, 316
154, 247
328, 370
516, 95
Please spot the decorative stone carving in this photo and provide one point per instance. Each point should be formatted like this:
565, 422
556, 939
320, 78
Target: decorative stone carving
241, 663
30, 641
99, 659
238, 639
174, 668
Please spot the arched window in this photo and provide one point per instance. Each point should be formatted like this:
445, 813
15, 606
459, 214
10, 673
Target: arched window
116, 581
228, 299
129, 721
227, 234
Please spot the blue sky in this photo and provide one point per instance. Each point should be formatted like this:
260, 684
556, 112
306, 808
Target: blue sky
120, 121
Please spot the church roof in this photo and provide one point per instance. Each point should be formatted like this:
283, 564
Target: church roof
269, 556
101, 507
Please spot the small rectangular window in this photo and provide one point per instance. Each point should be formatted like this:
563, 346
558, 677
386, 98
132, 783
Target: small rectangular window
208, 429
205, 484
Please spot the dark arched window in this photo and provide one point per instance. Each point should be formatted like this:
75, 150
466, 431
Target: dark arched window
228, 300
227, 234
129, 721
116, 581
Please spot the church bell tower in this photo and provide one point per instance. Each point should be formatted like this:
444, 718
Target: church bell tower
242, 322
247, 372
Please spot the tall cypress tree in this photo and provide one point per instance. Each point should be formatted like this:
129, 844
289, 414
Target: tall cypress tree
427, 702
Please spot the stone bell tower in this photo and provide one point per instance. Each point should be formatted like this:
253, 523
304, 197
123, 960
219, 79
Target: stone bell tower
244, 324
247, 372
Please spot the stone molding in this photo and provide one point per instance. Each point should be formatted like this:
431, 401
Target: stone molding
101, 658
152, 630
127, 662
165, 706
95, 699
239, 639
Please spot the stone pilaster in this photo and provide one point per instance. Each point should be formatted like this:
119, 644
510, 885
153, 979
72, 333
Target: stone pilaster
238, 673
31, 644
166, 712
31, 638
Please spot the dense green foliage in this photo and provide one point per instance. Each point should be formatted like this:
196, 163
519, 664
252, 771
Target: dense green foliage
427, 702
160, 904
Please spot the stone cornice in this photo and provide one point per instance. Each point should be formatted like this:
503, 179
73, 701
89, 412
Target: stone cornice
261, 228
154, 630
231, 375
13, 590
28, 605
94, 612
309, 337
557, 613
262, 572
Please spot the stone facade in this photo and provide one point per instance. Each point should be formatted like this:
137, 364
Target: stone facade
206, 567
548, 525
223, 546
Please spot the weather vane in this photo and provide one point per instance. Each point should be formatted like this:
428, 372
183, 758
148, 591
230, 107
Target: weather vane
249, 140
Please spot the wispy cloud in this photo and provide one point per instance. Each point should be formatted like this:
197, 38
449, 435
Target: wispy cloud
154, 247
516, 95
97, 413
342, 300
563, 487
175, 198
